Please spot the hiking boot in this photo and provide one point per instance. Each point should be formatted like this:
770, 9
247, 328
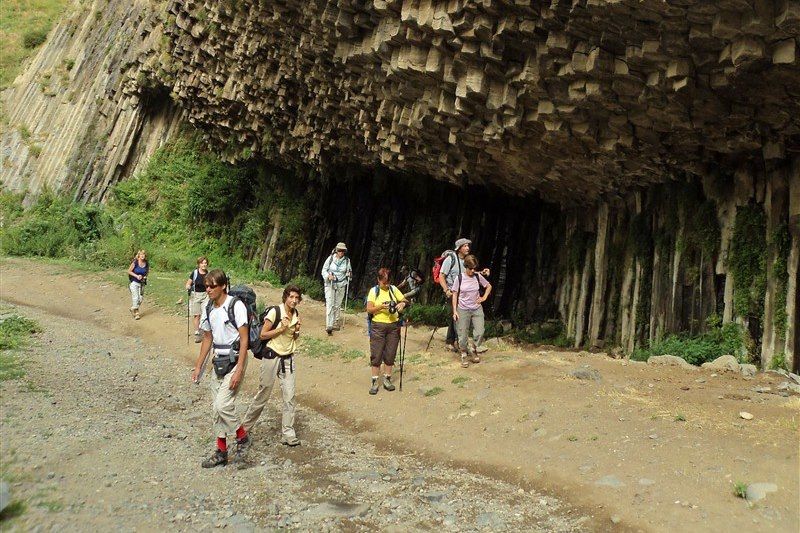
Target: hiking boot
475, 358
330, 331
134, 311
374, 388
387, 383
481, 349
290, 441
198, 337
240, 456
136, 315
464, 360
218, 458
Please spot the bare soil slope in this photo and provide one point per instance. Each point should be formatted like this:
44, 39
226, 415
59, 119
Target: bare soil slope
646, 448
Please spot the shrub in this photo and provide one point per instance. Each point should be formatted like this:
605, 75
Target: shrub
778, 362
33, 38
549, 332
720, 339
311, 286
14, 331
430, 315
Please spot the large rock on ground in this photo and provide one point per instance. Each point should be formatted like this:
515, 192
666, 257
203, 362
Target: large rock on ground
725, 363
670, 360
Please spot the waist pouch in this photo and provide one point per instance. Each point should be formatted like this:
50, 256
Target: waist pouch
223, 364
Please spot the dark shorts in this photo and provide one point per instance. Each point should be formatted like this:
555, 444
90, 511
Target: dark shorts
383, 343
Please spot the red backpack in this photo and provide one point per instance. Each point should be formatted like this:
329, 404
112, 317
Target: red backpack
437, 264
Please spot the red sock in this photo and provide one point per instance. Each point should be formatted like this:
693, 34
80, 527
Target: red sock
222, 444
241, 433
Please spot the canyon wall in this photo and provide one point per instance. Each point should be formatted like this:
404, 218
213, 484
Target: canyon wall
631, 167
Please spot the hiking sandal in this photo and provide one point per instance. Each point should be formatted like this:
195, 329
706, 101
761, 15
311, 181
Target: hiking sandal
464, 361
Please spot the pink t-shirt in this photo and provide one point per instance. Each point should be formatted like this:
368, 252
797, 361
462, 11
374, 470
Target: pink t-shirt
470, 291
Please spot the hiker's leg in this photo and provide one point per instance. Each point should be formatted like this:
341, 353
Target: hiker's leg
478, 326
136, 294
463, 328
266, 381
329, 292
451, 332
337, 307
224, 407
287, 389
390, 347
377, 346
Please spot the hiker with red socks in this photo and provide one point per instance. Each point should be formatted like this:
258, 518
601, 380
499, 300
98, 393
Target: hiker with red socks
225, 330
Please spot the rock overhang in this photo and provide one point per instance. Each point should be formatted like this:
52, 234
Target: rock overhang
573, 100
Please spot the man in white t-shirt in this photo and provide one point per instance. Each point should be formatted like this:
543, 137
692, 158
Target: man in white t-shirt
281, 329
227, 331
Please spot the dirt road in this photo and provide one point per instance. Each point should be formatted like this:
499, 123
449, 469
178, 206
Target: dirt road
640, 448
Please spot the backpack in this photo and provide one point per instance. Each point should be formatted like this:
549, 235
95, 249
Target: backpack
437, 264
246, 295
264, 352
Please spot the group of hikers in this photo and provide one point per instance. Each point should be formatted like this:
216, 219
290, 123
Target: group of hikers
226, 328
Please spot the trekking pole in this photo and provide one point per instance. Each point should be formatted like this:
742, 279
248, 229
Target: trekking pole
344, 313
188, 303
403, 354
431, 339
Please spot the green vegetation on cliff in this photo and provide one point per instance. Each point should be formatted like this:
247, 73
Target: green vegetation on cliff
24, 25
186, 203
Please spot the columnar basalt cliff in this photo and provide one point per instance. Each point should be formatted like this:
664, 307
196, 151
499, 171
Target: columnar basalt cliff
572, 99
631, 167
78, 118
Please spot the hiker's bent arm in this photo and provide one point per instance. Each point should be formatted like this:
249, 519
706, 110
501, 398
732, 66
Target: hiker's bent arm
373, 308
486, 293
454, 300
443, 283
267, 333
132, 273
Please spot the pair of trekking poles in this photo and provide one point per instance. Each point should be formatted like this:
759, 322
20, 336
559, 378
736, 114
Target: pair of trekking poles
341, 313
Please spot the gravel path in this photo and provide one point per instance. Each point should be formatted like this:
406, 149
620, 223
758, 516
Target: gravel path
106, 433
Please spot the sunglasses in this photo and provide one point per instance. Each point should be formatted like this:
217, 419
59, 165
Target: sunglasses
212, 286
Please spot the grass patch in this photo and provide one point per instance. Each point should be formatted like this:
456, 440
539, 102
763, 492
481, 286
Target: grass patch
434, 391
15, 331
24, 25
740, 489
459, 380
572, 438
317, 348
680, 418
352, 355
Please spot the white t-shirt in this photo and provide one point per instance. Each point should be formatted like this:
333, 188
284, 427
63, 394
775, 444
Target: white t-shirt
221, 330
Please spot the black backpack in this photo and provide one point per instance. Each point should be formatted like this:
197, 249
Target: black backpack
266, 353
246, 295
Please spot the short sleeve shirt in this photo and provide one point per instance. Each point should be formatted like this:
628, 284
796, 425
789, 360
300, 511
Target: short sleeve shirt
470, 291
383, 316
285, 343
223, 332
451, 269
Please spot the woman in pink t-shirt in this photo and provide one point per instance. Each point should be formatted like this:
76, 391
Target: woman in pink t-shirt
467, 308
